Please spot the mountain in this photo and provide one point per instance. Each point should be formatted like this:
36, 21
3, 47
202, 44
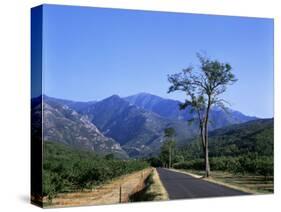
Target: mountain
169, 108
253, 137
63, 124
136, 123
75, 105
139, 132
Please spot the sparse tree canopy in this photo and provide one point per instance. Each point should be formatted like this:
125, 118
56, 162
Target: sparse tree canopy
169, 132
203, 87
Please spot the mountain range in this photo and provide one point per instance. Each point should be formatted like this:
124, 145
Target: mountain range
131, 126
169, 109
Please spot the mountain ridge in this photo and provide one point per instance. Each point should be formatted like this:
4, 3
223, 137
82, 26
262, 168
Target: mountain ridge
169, 108
64, 125
137, 122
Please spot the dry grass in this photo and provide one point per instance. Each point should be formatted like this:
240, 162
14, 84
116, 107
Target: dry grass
153, 190
254, 184
157, 187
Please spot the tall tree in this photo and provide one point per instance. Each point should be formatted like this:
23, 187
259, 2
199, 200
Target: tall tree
203, 87
168, 147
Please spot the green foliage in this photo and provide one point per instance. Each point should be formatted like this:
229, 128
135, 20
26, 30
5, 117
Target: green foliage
197, 164
250, 163
252, 137
66, 169
109, 156
169, 132
154, 161
264, 166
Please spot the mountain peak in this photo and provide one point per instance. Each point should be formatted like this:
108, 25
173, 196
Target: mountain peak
114, 96
145, 94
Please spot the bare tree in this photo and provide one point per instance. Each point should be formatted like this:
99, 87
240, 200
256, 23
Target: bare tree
203, 87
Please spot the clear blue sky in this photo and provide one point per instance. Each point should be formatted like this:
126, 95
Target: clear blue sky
92, 53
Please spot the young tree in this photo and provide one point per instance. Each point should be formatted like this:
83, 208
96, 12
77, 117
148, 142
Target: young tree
203, 87
168, 146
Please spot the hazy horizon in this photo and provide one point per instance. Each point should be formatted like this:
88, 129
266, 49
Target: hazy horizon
92, 53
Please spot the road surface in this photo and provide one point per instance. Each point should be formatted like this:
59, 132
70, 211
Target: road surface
181, 186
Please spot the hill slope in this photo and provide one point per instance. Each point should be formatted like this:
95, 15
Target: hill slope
250, 137
254, 137
64, 125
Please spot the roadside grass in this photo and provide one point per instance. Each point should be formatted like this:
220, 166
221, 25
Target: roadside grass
153, 190
254, 184
157, 187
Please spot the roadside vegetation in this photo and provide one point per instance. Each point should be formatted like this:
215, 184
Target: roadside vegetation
152, 191
246, 164
67, 170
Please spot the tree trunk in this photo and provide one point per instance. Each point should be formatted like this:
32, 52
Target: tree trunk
207, 164
202, 137
170, 156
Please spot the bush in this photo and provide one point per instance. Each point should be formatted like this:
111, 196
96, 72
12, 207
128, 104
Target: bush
197, 164
264, 166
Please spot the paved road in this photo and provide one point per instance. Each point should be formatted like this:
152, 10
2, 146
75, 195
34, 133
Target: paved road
181, 186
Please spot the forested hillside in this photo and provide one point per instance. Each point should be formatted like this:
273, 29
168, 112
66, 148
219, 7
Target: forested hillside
254, 137
246, 147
